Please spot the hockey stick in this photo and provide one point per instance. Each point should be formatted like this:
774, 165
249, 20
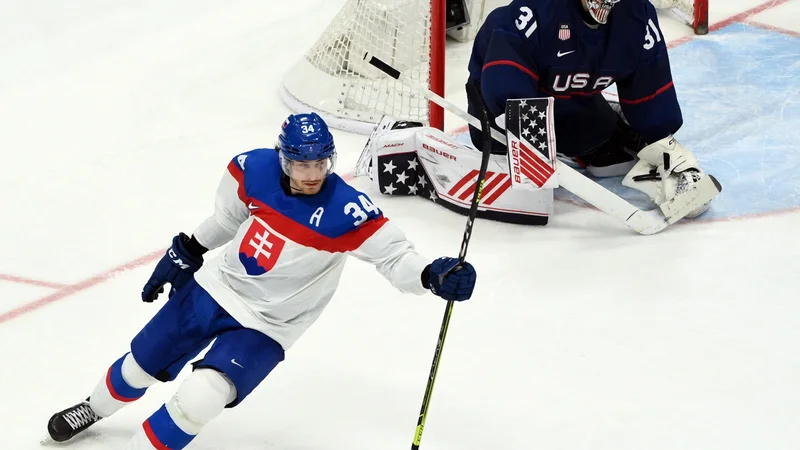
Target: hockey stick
643, 222
472, 92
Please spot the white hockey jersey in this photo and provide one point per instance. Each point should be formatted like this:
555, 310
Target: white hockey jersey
287, 252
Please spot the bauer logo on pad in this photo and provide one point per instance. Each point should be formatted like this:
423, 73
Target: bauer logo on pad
531, 142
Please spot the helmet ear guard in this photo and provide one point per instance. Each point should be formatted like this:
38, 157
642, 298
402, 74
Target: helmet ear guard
599, 9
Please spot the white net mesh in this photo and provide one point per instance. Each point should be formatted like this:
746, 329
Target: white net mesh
332, 78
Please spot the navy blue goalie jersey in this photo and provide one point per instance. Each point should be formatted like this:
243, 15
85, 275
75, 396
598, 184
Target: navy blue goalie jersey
544, 48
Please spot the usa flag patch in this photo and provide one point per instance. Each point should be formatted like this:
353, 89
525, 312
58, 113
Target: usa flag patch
563, 32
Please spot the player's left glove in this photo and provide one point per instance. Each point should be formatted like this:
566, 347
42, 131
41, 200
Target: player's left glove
450, 281
176, 267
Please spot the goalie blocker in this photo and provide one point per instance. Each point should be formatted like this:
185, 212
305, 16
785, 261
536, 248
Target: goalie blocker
405, 158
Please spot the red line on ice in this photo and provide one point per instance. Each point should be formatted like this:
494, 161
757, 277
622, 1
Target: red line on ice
71, 289
31, 281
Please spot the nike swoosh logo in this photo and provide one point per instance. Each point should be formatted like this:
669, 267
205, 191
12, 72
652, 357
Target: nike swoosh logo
559, 54
233, 361
252, 206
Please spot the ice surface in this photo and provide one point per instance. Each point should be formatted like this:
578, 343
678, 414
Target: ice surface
117, 120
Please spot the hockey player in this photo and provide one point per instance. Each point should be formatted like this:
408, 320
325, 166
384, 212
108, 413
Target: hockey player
572, 50
569, 50
290, 223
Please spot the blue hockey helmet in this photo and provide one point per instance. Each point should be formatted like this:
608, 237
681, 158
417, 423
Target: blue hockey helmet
305, 137
599, 9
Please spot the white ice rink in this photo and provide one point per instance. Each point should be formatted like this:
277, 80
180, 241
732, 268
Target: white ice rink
118, 118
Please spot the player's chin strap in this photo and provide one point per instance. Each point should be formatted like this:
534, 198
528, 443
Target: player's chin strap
683, 203
288, 183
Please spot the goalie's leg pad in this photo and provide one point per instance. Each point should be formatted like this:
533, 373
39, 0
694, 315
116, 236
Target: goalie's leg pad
426, 162
124, 382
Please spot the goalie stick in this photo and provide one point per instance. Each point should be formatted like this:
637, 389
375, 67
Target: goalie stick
472, 92
641, 221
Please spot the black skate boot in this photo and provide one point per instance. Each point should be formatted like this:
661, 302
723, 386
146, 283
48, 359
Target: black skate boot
66, 424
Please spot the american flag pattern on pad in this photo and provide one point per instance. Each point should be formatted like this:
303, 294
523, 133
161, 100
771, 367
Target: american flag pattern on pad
496, 183
531, 142
401, 174
441, 180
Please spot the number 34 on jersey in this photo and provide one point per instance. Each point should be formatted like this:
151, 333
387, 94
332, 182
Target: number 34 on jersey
361, 211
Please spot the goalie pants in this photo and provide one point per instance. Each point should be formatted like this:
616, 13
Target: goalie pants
582, 125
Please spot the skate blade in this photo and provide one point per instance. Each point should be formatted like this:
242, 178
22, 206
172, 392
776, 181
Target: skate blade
90, 435
49, 442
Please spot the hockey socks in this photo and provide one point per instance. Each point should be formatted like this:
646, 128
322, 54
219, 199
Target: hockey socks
200, 398
160, 431
124, 383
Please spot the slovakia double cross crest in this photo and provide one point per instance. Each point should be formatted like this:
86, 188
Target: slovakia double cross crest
260, 248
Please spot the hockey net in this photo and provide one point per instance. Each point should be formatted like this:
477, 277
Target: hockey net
333, 80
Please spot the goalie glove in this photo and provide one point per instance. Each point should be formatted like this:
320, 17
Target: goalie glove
669, 156
665, 169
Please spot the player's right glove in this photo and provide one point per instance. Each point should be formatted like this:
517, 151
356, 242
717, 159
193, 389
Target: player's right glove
176, 267
450, 284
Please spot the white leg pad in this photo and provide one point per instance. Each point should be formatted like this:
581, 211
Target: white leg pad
199, 399
103, 402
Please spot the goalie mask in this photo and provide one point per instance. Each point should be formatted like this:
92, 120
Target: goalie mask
599, 9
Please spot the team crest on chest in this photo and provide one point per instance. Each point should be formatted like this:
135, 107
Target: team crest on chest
563, 32
260, 249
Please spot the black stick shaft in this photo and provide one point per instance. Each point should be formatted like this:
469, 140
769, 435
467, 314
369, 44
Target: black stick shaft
475, 99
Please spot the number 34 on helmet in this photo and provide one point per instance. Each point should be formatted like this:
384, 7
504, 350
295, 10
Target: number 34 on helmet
306, 149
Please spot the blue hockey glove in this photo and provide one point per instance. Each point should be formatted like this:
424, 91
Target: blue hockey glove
176, 267
456, 285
